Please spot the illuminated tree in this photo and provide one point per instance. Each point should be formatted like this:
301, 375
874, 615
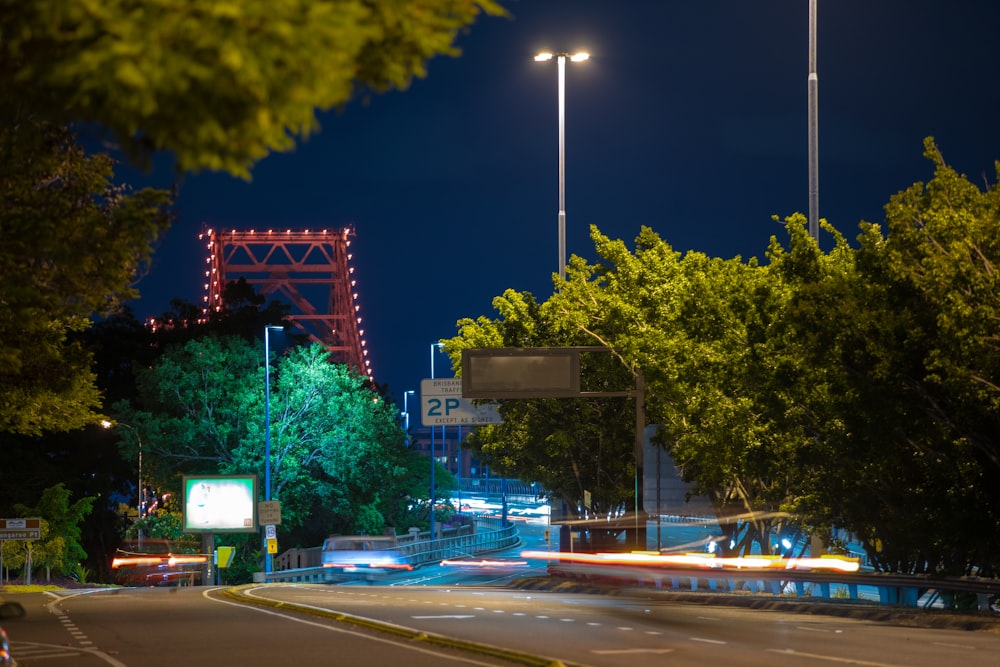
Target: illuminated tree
337, 449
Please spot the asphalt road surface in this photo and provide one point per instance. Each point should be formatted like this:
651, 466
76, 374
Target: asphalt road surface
420, 626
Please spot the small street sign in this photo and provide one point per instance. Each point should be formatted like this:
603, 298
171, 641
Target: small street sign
269, 513
20, 529
442, 404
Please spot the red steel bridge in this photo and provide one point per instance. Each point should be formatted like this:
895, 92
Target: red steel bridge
310, 270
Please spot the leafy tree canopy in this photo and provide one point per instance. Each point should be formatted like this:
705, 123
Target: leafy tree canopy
59, 549
333, 440
852, 389
73, 242
220, 84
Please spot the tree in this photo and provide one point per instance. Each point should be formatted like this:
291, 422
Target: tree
911, 354
59, 549
219, 84
73, 242
337, 450
576, 448
702, 331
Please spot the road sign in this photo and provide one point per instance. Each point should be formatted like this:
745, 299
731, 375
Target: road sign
20, 529
225, 556
269, 512
442, 404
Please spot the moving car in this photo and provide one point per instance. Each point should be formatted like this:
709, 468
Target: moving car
157, 563
5, 658
362, 554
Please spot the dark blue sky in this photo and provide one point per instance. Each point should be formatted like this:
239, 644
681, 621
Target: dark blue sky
689, 118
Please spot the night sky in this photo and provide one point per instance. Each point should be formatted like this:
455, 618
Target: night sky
689, 118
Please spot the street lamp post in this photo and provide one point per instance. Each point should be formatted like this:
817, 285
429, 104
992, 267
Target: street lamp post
109, 424
406, 414
434, 346
561, 57
138, 438
813, 122
267, 428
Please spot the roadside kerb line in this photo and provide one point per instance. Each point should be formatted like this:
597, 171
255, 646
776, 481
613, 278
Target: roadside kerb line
242, 594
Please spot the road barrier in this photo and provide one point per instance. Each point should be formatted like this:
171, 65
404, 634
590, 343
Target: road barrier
888, 589
488, 536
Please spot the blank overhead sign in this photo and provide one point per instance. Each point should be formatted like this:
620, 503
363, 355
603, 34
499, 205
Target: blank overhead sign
529, 372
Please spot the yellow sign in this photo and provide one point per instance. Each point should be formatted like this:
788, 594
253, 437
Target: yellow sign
226, 556
272, 545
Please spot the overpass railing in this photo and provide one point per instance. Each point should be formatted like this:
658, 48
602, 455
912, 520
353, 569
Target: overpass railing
886, 589
490, 535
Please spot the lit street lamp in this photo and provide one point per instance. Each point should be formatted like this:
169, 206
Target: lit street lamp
561, 57
406, 414
267, 428
108, 424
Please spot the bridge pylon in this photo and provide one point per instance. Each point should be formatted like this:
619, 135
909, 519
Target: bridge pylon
309, 269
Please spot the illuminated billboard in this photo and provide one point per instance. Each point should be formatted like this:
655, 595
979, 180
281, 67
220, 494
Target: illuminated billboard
220, 503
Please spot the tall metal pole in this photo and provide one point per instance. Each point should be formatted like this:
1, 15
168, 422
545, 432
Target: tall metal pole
813, 87
434, 346
561, 57
141, 494
267, 432
562, 164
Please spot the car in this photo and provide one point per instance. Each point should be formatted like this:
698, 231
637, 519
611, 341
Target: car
154, 562
362, 554
5, 658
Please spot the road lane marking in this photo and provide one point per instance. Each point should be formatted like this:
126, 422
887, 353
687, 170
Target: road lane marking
831, 658
446, 616
807, 628
948, 645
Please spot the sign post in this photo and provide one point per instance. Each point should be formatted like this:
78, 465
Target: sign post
442, 404
20, 529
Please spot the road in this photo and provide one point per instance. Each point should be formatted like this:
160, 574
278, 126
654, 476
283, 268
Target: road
603, 631
159, 627
166, 627
421, 619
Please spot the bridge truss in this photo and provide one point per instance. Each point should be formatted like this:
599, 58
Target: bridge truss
310, 270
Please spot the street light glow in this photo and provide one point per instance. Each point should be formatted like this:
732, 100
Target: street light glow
543, 56
579, 56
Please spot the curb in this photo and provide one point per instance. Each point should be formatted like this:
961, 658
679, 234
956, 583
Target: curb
236, 593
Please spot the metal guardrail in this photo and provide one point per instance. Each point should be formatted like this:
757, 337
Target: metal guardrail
892, 589
489, 536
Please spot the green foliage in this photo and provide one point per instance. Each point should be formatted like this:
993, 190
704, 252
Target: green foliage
570, 446
59, 549
81, 573
220, 84
162, 525
856, 388
336, 449
73, 241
